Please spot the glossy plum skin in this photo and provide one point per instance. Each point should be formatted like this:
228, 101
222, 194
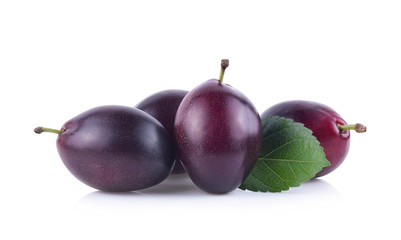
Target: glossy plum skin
323, 121
163, 106
116, 149
218, 133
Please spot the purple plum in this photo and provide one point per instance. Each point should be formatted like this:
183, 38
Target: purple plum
163, 106
115, 148
218, 133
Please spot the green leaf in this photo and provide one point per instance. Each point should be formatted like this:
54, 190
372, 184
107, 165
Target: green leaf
290, 155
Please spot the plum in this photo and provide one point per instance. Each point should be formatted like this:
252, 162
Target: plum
327, 126
115, 148
218, 133
163, 106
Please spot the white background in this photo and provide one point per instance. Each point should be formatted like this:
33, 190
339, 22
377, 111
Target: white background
60, 58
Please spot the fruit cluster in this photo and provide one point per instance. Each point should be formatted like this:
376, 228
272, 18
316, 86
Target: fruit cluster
213, 133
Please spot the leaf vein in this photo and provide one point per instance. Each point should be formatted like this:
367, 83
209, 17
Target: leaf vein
287, 160
292, 169
257, 179
277, 132
281, 146
271, 169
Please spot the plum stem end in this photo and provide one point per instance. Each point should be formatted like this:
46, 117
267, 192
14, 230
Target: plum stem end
358, 127
224, 65
39, 130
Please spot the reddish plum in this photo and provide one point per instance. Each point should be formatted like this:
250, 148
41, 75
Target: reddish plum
327, 126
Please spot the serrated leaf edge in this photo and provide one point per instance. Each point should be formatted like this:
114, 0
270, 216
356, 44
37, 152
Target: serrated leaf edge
264, 122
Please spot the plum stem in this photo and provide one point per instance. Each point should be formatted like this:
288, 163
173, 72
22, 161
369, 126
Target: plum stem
224, 65
39, 130
359, 128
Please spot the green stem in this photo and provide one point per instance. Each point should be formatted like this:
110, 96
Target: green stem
359, 128
39, 130
224, 65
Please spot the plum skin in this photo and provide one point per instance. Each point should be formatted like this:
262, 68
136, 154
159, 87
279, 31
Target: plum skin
218, 133
116, 149
323, 121
163, 106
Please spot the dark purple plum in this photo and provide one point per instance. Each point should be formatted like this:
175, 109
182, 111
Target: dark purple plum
218, 133
115, 148
163, 106
327, 126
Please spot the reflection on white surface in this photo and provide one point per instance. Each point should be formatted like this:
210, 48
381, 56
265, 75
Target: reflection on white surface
177, 194
174, 185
